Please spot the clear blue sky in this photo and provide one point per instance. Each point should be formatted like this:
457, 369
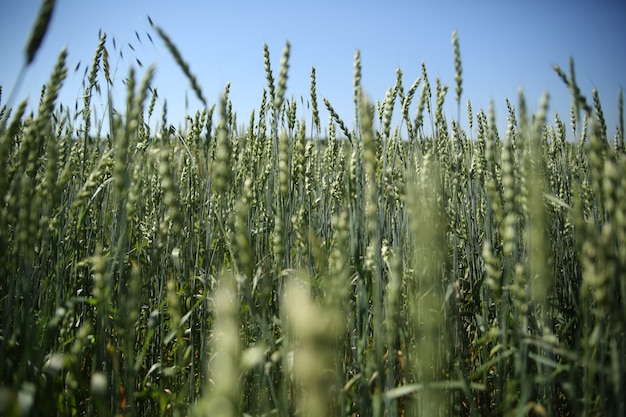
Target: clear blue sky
505, 45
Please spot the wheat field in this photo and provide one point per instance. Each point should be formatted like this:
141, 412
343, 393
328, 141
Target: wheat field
438, 267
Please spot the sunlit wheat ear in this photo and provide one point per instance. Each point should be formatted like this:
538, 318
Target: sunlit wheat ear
398, 88
470, 116
314, 108
406, 102
599, 114
511, 117
356, 87
370, 161
223, 151
427, 90
479, 149
282, 77
337, 119
298, 163
91, 83
223, 390
262, 125
330, 150
284, 174
379, 110
510, 194
458, 69
441, 91
423, 101
313, 336
388, 106
292, 107
309, 156
268, 73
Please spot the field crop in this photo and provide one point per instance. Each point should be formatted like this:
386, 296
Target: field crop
208, 269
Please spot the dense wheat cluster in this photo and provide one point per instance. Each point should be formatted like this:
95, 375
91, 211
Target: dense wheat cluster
208, 269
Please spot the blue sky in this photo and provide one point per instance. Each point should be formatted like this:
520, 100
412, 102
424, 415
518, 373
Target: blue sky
505, 45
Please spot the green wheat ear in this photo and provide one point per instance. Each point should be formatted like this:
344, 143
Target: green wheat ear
39, 30
268, 72
32, 46
316, 113
458, 69
282, 77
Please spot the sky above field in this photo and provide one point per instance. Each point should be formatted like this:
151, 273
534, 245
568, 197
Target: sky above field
505, 45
